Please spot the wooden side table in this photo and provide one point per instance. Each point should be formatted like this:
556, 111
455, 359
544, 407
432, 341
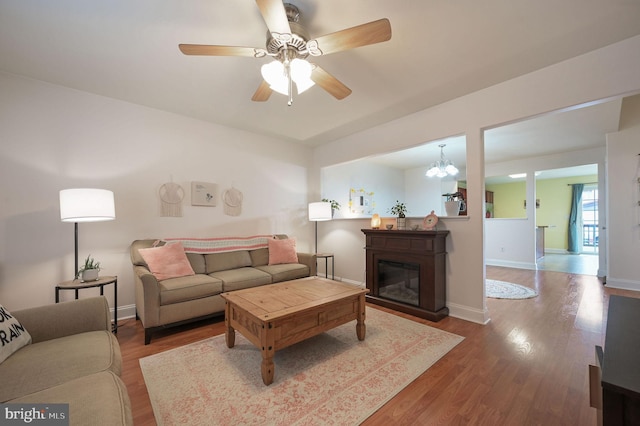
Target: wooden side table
78, 285
326, 257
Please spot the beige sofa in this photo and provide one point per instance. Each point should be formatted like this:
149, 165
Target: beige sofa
73, 359
173, 301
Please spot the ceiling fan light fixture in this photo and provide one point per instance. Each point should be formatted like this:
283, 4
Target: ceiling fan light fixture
301, 74
275, 74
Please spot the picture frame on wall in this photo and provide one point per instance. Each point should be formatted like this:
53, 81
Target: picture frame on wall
204, 194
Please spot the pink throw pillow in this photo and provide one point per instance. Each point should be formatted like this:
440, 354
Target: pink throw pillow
168, 261
282, 251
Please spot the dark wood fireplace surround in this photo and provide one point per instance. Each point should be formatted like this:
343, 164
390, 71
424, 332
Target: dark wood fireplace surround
424, 248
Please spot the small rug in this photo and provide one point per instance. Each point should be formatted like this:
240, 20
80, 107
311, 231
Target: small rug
329, 379
504, 290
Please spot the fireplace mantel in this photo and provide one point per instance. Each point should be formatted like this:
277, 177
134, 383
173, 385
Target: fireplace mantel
425, 250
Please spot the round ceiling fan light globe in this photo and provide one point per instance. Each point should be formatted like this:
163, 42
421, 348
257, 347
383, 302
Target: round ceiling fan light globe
273, 72
304, 84
300, 69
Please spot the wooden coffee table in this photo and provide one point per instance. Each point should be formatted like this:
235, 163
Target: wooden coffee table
275, 316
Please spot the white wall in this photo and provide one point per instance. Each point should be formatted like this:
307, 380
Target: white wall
605, 73
52, 138
623, 166
338, 180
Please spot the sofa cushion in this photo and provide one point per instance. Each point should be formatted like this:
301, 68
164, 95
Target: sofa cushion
181, 289
197, 263
97, 399
259, 257
13, 335
284, 272
227, 260
236, 279
45, 364
168, 261
282, 251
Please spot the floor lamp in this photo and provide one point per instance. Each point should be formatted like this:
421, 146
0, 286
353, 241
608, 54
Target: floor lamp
319, 211
85, 205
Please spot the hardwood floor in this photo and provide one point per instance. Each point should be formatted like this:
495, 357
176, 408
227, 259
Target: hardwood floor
528, 366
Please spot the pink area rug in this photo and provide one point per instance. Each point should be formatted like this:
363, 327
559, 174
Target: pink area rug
330, 379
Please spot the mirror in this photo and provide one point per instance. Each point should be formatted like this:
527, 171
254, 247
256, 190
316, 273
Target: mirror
374, 184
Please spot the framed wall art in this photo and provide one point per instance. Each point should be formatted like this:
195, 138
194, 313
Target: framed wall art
204, 194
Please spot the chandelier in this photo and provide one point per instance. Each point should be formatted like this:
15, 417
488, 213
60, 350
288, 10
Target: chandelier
442, 167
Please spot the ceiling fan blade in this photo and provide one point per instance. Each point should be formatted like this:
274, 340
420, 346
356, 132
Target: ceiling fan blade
274, 16
203, 49
263, 92
329, 83
362, 35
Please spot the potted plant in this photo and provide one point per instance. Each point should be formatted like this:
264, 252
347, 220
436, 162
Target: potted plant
334, 204
453, 203
399, 209
89, 271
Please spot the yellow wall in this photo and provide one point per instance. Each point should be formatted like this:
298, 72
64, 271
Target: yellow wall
555, 204
508, 199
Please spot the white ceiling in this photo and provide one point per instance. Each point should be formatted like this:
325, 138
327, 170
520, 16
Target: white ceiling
439, 50
555, 133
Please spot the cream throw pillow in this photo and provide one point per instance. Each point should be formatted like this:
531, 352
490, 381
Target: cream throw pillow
13, 335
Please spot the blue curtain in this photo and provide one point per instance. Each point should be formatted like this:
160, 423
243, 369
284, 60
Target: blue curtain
575, 233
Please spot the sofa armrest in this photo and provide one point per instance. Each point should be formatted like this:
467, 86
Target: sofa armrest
66, 318
147, 291
310, 260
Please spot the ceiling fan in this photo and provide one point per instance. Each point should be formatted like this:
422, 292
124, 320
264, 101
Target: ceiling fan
289, 44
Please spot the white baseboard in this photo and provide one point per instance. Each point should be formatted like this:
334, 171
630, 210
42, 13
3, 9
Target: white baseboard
509, 264
622, 284
469, 314
125, 312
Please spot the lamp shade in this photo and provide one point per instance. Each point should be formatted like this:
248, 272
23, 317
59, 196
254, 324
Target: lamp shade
319, 211
86, 205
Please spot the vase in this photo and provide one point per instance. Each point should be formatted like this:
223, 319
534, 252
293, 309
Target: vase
452, 207
401, 223
89, 275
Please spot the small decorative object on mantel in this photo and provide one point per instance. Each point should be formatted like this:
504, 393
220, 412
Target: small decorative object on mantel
430, 221
89, 271
453, 204
375, 221
399, 209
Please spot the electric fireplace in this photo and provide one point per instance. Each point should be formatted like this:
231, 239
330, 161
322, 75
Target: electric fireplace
406, 271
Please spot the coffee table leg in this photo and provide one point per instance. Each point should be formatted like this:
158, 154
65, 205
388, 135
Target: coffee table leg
268, 351
361, 328
229, 332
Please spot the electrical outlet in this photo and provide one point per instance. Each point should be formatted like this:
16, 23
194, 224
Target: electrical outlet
502, 249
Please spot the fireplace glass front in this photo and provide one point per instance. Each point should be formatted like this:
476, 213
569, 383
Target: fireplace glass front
399, 281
